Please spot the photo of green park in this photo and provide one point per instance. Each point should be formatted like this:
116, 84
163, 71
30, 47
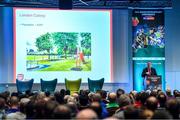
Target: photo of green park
59, 51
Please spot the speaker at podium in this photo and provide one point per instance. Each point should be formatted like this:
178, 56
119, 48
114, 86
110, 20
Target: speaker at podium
153, 82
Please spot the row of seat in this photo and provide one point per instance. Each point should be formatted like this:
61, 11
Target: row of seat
50, 85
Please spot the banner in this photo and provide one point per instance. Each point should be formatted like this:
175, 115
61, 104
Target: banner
148, 45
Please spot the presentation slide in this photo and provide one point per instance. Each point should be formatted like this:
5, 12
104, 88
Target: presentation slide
72, 44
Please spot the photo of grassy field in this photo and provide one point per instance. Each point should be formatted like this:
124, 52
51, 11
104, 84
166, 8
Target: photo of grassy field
59, 51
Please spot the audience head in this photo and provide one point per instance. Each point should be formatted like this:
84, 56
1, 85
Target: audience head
96, 97
162, 99
62, 112
58, 97
143, 97
40, 108
173, 107
86, 114
175, 93
67, 92
146, 114
97, 108
23, 104
63, 92
124, 100
111, 118
66, 97
30, 110
154, 93
119, 92
103, 94
83, 100
152, 103
161, 114
138, 96
2, 103
168, 92
73, 107
90, 96
72, 99
131, 112
14, 101
49, 108
76, 96
112, 97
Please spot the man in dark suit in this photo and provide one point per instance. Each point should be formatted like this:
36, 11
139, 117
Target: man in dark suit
148, 71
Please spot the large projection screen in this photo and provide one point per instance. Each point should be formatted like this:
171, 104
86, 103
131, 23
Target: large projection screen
72, 44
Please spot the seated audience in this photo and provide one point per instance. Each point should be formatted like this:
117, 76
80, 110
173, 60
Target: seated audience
151, 104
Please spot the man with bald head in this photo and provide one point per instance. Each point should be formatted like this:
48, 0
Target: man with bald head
86, 114
112, 106
112, 101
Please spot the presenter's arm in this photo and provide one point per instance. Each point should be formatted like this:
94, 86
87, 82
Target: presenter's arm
154, 72
143, 73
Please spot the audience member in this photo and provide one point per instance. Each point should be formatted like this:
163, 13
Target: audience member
112, 101
161, 114
131, 112
169, 94
112, 106
86, 114
123, 101
62, 112
83, 101
173, 107
97, 98
119, 92
138, 100
103, 94
14, 105
162, 100
146, 114
97, 108
74, 108
2, 107
49, 108
152, 103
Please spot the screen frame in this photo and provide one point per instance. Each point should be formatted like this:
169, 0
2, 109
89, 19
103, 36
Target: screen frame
14, 36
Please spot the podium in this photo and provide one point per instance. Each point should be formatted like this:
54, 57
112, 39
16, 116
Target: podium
153, 82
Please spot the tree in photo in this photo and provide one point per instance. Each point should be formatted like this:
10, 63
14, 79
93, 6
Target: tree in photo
44, 43
86, 43
65, 42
